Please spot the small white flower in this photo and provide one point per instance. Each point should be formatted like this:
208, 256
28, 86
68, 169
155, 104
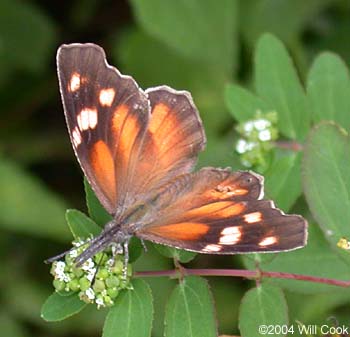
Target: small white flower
90, 294
59, 272
246, 163
241, 146
91, 274
250, 146
261, 124
248, 126
74, 253
265, 135
88, 265
110, 262
59, 267
100, 303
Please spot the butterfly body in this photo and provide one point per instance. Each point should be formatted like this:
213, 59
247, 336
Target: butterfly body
138, 150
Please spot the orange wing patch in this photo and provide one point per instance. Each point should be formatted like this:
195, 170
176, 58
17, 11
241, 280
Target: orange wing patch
221, 209
186, 231
162, 126
160, 111
129, 126
225, 192
103, 167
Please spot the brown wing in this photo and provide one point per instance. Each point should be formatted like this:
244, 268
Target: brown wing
107, 115
127, 142
172, 142
217, 211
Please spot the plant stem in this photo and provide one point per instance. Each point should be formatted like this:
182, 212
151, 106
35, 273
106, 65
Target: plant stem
249, 274
289, 145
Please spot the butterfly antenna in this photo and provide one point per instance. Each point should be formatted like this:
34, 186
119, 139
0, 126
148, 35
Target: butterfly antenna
59, 256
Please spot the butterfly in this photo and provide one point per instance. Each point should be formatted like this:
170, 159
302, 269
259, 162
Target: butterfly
138, 150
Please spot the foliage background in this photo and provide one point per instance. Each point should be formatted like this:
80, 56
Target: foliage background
200, 46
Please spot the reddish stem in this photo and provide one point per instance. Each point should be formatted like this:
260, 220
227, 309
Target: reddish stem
249, 274
289, 145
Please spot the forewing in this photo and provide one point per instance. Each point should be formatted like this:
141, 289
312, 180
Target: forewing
220, 212
107, 116
172, 142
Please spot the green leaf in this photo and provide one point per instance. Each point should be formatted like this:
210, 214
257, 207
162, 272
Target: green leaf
27, 206
326, 180
260, 16
27, 36
198, 29
283, 181
316, 259
96, 211
190, 310
81, 225
278, 84
174, 253
328, 89
57, 308
243, 104
264, 305
132, 313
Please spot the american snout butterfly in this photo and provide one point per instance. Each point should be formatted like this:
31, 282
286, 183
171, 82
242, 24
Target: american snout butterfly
138, 149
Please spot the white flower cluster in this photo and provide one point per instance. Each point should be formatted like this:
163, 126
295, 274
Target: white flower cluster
98, 280
261, 127
256, 139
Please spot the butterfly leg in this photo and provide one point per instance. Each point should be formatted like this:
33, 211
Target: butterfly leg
126, 259
144, 245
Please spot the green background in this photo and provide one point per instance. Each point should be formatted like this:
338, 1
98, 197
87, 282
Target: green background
201, 46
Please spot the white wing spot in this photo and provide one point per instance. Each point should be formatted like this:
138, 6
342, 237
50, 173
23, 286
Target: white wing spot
268, 241
212, 248
74, 83
230, 235
230, 230
107, 96
252, 217
87, 119
76, 137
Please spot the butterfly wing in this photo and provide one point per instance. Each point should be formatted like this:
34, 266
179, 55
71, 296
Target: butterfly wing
221, 212
127, 141
172, 142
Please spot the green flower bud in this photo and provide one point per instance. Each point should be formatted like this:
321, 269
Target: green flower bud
53, 269
84, 283
102, 273
68, 259
58, 285
98, 286
108, 301
124, 284
112, 282
78, 272
118, 267
113, 292
74, 285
